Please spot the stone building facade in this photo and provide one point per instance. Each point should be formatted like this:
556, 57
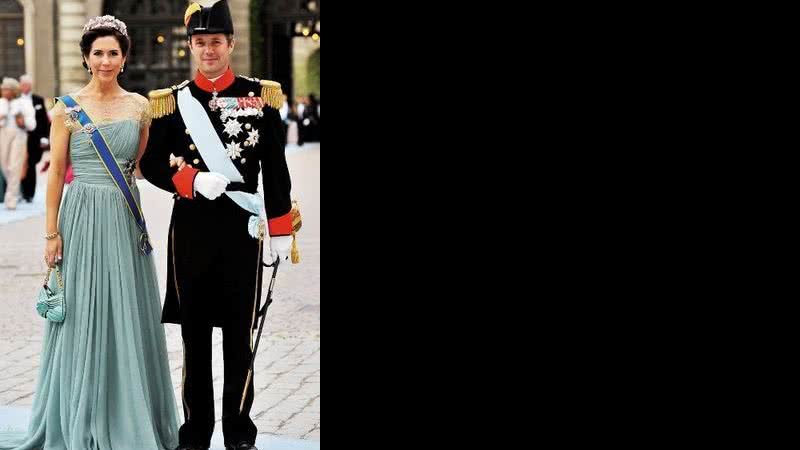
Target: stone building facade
45, 34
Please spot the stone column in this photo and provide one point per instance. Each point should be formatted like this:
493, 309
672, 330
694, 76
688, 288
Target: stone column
29, 12
72, 15
43, 42
94, 8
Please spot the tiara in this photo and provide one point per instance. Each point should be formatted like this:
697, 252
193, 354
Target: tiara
106, 22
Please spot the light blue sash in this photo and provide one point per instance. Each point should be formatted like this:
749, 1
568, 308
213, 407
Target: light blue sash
108, 160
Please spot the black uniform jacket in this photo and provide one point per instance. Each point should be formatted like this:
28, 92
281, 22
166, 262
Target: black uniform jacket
214, 264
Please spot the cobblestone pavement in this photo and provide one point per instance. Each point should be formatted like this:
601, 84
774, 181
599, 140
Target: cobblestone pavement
287, 401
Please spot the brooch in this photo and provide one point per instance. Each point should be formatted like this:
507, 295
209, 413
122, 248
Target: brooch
89, 128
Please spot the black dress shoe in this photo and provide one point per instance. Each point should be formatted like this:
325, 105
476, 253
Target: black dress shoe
241, 446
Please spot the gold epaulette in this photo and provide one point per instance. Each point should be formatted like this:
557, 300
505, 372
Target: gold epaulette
162, 101
272, 94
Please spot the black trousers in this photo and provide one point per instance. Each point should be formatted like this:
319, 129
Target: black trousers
198, 387
28, 186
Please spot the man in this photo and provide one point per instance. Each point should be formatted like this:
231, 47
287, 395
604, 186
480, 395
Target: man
301, 128
17, 118
284, 111
38, 139
311, 119
228, 131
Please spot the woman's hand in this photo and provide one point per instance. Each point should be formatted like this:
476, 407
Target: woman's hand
54, 252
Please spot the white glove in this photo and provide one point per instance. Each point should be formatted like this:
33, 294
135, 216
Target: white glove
210, 184
279, 247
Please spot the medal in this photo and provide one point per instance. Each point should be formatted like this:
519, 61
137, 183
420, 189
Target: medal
212, 104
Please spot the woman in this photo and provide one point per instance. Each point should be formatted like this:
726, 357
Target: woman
104, 382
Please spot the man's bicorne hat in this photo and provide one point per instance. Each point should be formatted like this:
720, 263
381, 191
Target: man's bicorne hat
211, 20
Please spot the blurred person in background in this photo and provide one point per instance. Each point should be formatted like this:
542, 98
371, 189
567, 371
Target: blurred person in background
17, 119
38, 138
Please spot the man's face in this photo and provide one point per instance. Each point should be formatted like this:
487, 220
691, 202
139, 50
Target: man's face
26, 87
212, 53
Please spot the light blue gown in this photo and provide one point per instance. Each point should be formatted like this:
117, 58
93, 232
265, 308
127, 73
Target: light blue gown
105, 381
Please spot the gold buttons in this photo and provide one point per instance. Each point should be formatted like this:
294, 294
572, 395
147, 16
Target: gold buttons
248, 126
251, 94
244, 160
196, 161
188, 132
192, 147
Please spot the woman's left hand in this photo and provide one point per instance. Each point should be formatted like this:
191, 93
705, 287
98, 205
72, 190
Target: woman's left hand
54, 252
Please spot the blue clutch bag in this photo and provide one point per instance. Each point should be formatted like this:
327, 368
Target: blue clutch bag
51, 304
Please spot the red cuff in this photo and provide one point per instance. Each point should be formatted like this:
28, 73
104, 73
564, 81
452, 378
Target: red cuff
184, 182
280, 226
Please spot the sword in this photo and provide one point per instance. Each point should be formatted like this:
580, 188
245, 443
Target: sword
263, 314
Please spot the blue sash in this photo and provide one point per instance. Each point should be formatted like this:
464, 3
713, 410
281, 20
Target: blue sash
113, 169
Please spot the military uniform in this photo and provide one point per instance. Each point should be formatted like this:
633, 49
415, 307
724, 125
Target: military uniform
214, 263
254, 143
214, 260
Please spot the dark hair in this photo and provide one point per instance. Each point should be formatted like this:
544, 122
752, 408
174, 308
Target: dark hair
90, 36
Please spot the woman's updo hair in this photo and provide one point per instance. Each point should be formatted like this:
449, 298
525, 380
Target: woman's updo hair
92, 35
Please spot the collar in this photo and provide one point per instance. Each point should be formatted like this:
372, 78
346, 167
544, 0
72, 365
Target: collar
222, 83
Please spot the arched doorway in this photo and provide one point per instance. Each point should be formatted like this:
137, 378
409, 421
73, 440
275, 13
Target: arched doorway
275, 25
12, 38
312, 73
159, 56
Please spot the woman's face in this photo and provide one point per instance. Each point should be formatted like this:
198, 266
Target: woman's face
105, 58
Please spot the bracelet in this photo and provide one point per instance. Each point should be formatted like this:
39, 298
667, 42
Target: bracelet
50, 237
